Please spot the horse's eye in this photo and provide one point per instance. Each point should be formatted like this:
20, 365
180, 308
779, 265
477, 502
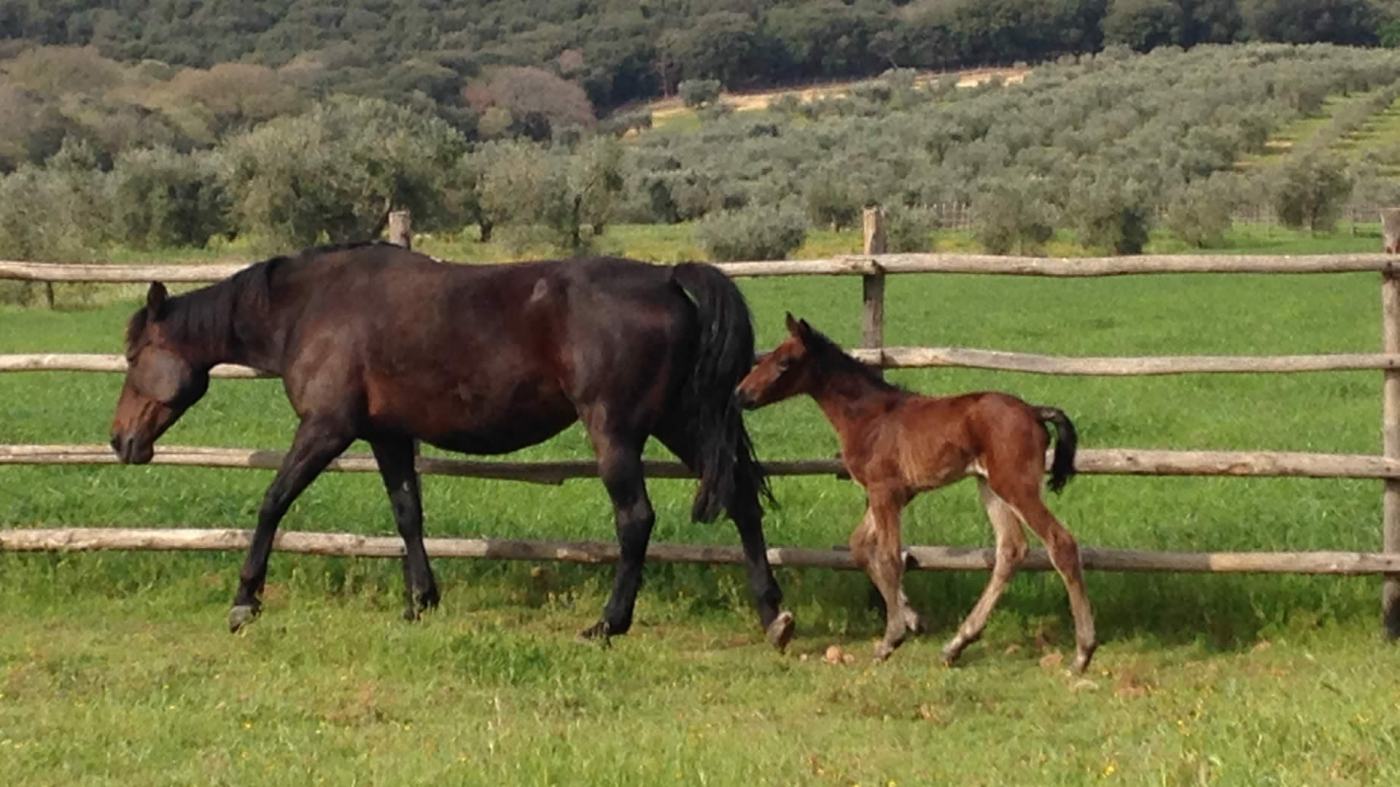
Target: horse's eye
784, 364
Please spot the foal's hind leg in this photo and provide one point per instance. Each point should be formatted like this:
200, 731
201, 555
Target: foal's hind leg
395, 458
1010, 551
875, 545
1064, 554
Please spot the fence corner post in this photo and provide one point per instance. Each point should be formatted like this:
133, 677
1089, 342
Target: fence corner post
873, 285
1390, 421
401, 228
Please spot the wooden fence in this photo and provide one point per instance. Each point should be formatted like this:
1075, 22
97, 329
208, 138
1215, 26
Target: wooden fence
874, 267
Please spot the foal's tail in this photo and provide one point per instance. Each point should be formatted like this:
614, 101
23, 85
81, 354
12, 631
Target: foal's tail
1067, 440
730, 474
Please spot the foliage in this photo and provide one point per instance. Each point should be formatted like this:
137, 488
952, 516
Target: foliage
528, 102
1310, 191
758, 232
909, 229
164, 198
698, 92
337, 171
1009, 218
1200, 212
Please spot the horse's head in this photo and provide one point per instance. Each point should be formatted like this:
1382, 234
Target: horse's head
785, 372
161, 383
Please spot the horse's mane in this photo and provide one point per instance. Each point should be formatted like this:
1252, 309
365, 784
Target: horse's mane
832, 359
211, 315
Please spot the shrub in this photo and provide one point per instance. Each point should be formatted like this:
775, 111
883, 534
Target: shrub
1006, 218
164, 198
909, 229
1200, 212
1110, 213
338, 170
697, 93
753, 233
1310, 190
829, 201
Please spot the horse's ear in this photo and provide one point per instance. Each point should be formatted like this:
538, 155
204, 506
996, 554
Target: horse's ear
792, 324
804, 329
155, 298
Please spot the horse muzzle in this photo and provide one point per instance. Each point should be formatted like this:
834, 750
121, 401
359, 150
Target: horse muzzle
131, 451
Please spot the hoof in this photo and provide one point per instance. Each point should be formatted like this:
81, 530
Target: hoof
950, 654
780, 631
415, 608
241, 615
596, 634
883, 651
1081, 661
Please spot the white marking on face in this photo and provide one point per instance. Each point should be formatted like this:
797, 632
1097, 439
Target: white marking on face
540, 291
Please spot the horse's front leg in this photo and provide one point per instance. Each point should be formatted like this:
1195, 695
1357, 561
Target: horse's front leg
396, 468
620, 467
317, 442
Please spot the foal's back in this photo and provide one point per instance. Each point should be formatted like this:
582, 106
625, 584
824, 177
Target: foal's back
936, 440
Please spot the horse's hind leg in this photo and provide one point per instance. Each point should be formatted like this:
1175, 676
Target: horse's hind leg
875, 545
1010, 551
317, 442
620, 467
395, 458
1064, 554
747, 514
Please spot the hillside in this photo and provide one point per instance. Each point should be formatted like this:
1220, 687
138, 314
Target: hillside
444, 57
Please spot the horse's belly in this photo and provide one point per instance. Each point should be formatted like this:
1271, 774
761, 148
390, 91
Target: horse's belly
463, 418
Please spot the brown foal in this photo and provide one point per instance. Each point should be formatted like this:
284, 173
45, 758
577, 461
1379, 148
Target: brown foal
896, 444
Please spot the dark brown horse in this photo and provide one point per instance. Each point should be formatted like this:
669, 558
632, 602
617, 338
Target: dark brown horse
379, 343
897, 444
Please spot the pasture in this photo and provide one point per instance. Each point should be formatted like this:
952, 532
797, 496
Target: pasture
116, 667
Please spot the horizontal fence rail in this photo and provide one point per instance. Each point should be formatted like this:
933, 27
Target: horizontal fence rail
873, 267
848, 265
1091, 461
925, 558
893, 358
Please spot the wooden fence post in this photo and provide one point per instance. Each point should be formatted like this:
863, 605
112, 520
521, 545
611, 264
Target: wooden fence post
401, 228
873, 285
1390, 422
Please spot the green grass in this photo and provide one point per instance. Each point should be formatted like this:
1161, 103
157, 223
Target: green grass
116, 668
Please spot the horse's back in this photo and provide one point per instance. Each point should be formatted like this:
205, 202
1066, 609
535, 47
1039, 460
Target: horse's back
484, 358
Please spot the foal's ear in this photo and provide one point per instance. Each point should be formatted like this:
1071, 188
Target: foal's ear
792, 324
155, 298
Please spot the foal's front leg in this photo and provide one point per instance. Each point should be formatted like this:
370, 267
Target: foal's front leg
876, 548
317, 442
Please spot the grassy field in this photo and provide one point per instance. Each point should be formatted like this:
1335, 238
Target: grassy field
116, 668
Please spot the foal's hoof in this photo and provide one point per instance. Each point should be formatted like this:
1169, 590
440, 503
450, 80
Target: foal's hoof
950, 654
780, 631
241, 615
883, 651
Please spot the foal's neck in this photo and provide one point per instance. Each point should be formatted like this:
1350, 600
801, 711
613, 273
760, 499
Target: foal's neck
850, 395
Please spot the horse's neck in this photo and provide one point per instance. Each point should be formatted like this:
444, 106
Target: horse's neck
247, 334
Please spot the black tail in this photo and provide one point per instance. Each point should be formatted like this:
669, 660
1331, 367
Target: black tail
724, 353
1066, 441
